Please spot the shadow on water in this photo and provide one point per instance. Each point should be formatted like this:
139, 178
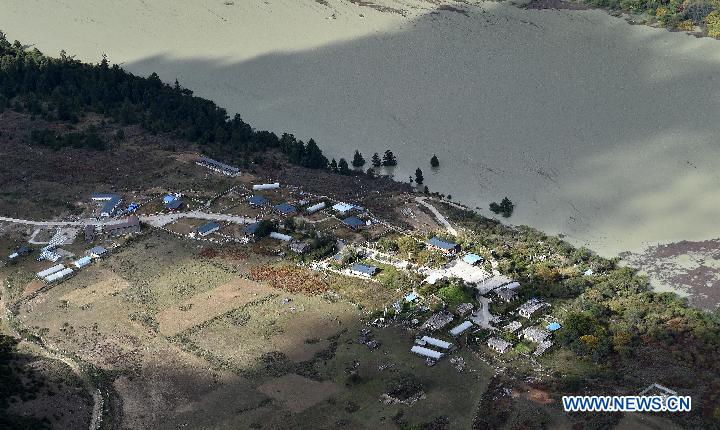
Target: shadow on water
593, 127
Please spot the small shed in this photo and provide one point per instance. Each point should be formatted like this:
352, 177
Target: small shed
343, 208
314, 208
427, 340
553, 326
82, 262
354, 222
280, 236
363, 270
97, 252
461, 328
285, 209
472, 259
272, 186
208, 228
257, 200
426, 352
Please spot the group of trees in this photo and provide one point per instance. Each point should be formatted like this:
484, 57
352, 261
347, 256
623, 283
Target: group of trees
505, 207
88, 139
677, 14
66, 89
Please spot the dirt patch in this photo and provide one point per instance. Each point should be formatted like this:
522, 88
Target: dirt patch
209, 304
290, 278
297, 393
555, 4
104, 284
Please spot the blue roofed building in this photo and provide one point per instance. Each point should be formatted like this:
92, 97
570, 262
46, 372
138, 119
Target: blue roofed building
111, 202
363, 270
257, 200
174, 204
553, 326
472, 259
285, 209
354, 222
208, 228
251, 229
443, 246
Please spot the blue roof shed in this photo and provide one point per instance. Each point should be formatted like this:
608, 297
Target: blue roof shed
472, 259
354, 222
285, 208
553, 326
257, 200
251, 228
439, 243
363, 269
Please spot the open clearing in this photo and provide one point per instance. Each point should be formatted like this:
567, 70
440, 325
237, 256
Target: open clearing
209, 304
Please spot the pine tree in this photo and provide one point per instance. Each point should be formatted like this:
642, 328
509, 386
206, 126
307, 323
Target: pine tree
370, 172
389, 159
358, 160
376, 160
333, 165
419, 176
314, 158
434, 162
343, 167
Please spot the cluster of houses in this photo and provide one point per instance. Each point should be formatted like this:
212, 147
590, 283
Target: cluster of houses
540, 336
60, 272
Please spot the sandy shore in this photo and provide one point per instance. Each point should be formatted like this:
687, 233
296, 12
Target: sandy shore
600, 130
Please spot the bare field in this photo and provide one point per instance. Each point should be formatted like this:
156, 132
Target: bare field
209, 304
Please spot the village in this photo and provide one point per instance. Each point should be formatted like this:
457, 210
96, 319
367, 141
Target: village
327, 235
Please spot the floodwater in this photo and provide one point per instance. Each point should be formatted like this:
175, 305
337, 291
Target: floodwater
594, 128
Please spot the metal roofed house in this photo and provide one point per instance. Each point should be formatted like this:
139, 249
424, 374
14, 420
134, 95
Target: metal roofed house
257, 200
57, 276
208, 228
314, 208
272, 186
285, 209
131, 225
528, 308
534, 334
426, 352
506, 294
460, 329
82, 262
280, 236
217, 166
251, 229
111, 202
553, 326
472, 259
174, 204
427, 340
49, 271
23, 250
443, 246
437, 321
343, 208
97, 252
512, 285
363, 270
354, 222
498, 345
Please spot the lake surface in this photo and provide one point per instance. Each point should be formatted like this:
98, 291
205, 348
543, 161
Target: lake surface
597, 129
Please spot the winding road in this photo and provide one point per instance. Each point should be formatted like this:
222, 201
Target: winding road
158, 220
440, 217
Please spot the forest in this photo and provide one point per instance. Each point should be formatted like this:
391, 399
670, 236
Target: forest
65, 89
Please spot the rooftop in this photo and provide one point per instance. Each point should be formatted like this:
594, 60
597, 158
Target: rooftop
257, 200
439, 243
361, 268
285, 208
251, 228
472, 258
343, 207
353, 222
207, 228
